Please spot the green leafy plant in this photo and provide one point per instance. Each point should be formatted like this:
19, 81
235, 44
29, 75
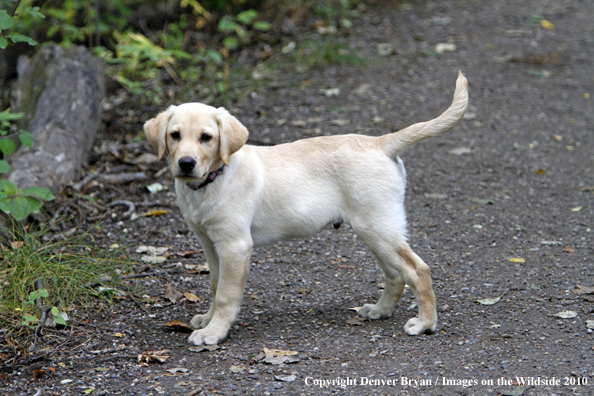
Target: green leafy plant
12, 26
13, 201
64, 268
337, 13
236, 28
30, 320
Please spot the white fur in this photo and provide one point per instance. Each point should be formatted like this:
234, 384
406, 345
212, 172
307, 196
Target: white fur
292, 191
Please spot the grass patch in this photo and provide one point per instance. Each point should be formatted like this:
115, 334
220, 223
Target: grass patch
57, 272
325, 51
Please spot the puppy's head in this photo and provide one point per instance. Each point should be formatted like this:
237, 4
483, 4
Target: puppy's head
197, 138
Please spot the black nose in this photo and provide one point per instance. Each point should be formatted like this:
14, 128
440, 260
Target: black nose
186, 164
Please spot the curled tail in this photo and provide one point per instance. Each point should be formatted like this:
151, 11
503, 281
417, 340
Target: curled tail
397, 142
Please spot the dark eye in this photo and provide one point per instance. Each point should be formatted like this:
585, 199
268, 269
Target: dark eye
205, 137
175, 135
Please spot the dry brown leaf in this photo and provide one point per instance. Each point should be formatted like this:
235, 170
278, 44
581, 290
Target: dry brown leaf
172, 294
176, 325
188, 253
279, 356
155, 212
583, 290
356, 321
569, 249
346, 266
191, 297
153, 356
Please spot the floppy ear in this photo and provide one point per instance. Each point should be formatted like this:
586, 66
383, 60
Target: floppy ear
155, 130
233, 134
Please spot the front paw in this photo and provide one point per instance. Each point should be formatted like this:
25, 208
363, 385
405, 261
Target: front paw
373, 311
415, 326
207, 337
200, 321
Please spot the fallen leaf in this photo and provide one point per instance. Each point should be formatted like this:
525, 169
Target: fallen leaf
569, 249
576, 209
237, 369
88, 391
534, 286
330, 92
361, 89
516, 260
101, 369
557, 138
435, 196
483, 201
176, 325
339, 122
345, 266
516, 391
385, 49
66, 381
590, 323
489, 301
356, 321
155, 188
191, 297
153, 259
540, 171
440, 48
197, 268
285, 378
17, 244
177, 370
172, 294
279, 356
495, 326
583, 290
188, 253
153, 356
566, 314
120, 335
546, 24
151, 249
155, 212
551, 243
203, 348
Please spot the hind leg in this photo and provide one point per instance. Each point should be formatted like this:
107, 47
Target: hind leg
401, 265
392, 294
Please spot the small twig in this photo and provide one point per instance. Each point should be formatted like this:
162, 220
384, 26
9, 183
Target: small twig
138, 303
86, 180
130, 205
118, 357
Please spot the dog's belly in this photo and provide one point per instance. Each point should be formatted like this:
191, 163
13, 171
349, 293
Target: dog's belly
271, 227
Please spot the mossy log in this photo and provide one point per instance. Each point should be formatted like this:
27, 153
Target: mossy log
60, 91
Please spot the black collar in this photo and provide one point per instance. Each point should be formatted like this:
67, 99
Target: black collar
211, 177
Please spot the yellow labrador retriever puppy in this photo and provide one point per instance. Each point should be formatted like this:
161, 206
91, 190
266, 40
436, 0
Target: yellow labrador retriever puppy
236, 196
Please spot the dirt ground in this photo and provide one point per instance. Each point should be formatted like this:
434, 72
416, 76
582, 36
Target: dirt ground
500, 207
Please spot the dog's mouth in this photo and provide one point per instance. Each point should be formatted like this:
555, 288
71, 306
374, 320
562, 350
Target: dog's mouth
189, 177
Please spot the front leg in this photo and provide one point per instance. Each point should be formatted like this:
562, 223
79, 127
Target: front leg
234, 260
200, 321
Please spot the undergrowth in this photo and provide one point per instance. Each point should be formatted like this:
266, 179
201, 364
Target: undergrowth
60, 272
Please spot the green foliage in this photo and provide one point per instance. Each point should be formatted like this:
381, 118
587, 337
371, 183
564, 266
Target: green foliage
337, 13
12, 27
13, 201
236, 29
64, 268
327, 50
